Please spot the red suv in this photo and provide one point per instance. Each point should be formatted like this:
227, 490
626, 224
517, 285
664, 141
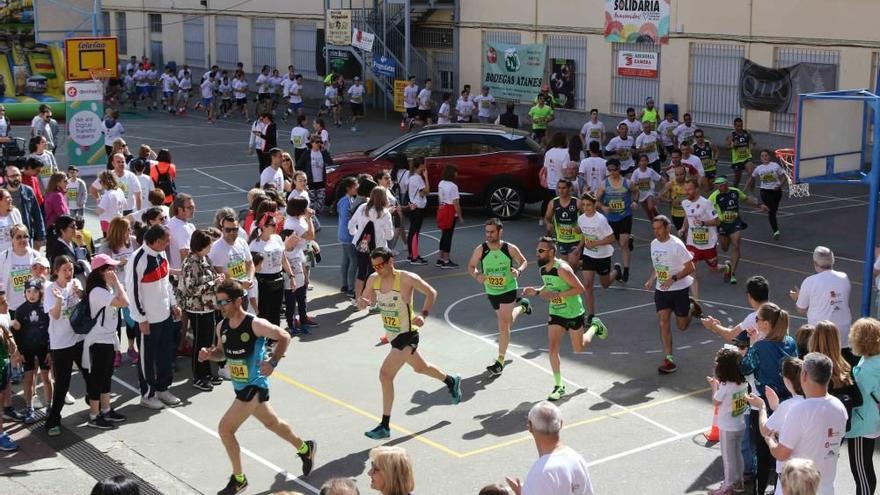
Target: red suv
497, 166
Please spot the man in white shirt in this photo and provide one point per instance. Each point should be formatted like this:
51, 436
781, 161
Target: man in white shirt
426, 104
273, 173
825, 296
593, 130
701, 227
183, 209
128, 183
684, 133
694, 165
633, 126
411, 101
41, 126
294, 93
356, 99
559, 468
485, 106
814, 428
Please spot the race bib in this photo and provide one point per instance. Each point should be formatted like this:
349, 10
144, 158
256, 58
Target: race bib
662, 273
741, 154
391, 322
768, 178
700, 235
670, 132
484, 103
644, 184
623, 154
46, 172
238, 370
236, 269
617, 205
557, 302
72, 194
729, 216
594, 133
651, 147
18, 277
566, 233
495, 281
590, 237
297, 141
739, 405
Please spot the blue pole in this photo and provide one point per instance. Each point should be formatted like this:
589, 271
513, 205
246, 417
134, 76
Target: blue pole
870, 241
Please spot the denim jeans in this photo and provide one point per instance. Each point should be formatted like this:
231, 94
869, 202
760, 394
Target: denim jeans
349, 265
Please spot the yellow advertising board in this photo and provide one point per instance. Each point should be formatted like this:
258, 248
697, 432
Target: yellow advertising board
83, 55
398, 95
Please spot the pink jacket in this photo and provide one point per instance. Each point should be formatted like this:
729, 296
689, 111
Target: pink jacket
55, 206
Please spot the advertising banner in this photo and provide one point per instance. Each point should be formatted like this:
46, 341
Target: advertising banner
514, 72
398, 94
338, 27
637, 21
84, 102
384, 66
776, 89
362, 39
562, 82
636, 64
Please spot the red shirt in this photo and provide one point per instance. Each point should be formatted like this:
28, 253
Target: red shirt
34, 182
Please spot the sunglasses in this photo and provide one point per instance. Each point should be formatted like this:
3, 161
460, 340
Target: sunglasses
230, 230
376, 266
541, 250
222, 302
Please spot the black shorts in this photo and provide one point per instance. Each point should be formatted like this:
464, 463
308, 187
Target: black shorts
506, 298
740, 165
357, 109
247, 394
729, 228
4, 376
566, 248
426, 114
406, 339
412, 112
364, 266
676, 300
539, 133
678, 222
264, 96
602, 266
575, 323
34, 357
622, 226
241, 101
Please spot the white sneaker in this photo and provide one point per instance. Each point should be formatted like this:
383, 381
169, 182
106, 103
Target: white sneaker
152, 403
168, 398
68, 399
37, 402
223, 373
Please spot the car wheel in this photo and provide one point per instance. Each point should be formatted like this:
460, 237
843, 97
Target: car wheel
505, 201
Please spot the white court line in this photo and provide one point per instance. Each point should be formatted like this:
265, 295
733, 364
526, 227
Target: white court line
247, 452
598, 314
645, 447
494, 344
230, 184
218, 166
425, 233
855, 205
144, 138
795, 205
403, 260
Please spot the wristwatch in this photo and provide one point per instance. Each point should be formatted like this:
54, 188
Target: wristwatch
424, 313
675, 278
273, 363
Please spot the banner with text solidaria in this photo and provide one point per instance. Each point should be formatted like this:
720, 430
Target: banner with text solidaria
514, 72
84, 102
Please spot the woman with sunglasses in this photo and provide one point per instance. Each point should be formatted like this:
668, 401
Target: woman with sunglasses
391, 471
270, 282
15, 266
9, 216
315, 163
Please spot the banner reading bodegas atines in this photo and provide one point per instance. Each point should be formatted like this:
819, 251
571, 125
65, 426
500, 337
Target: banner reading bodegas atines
514, 72
637, 21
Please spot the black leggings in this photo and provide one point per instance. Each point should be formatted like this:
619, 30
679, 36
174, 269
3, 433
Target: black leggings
101, 373
271, 288
62, 366
202, 326
861, 463
295, 302
446, 238
130, 332
416, 217
771, 198
766, 461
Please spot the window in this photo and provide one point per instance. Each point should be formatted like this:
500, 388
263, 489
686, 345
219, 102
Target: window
194, 41
572, 50
632, 91
227, 41
105, 23
303, 37
263, 41
464, 144
420, 147
785, 122
155, 23
714, 83
121, 32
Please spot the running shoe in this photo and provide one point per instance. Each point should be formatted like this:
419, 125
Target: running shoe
696, 309
13, 415
439, 263
168, 398
223, 373
308, 320
449, 265
383, 340
68, 399
53, 431
30, 416
526, 305
667, 367
7, 444
557, 393
113, 416
100, 423
117, 359
601, 329
455, 390
203, 385
619, 269
495, 368
417, 261
378, 433
216, 380
776, 236
134, 356
625, 277
723, 490
308, 459
152, 403
632, 243
732, 279
234, 486
727, 271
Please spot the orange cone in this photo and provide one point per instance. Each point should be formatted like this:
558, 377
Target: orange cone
713, 435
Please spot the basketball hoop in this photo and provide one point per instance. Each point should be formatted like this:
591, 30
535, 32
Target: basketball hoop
101, 74
795, 190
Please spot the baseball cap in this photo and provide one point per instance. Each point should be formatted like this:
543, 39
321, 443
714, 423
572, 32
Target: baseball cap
72, 167
721, 180
33, 283
42, 261
101, 260
650, 98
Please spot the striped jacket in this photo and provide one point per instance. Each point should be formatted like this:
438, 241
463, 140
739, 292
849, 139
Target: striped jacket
147, 283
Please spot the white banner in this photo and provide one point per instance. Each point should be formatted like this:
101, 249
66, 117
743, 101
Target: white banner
636, 64
362, 39
338, 27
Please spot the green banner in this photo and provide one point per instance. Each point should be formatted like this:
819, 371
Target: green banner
514, 71
84, 102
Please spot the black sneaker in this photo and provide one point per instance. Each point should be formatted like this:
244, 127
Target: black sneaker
619, 270
418, 261
113, 416
216, 380
234, 487
632, 243
439, 263
625, 277
449, 265
308, 458
495, 368
100, 423
203, 385
526, 305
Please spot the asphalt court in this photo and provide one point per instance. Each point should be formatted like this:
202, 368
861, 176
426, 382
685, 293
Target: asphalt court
620, 414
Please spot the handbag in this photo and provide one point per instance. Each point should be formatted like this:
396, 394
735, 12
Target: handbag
850, 396
445, 216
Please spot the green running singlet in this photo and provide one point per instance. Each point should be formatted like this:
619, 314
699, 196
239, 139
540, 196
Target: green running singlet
495, 267
568, 306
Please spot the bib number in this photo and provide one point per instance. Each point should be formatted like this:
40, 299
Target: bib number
19, 277
662, 273
495, 281
557, 302
739, 404
566, 233
700, 235
768, 178
72, 193
236, 269
594, 133
297, 141
238, 370
729, 216
617, 205
644, 184
391, 322
623, 154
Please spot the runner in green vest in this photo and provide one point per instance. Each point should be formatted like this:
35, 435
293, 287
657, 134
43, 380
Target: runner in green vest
392, 290
497, 264
562, 289
560, 220
650, 113
740, 142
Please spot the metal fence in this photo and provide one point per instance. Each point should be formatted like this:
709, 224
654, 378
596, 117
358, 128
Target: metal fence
785, 122
226, 29
632, 91
263, 43
714, 83
121, 32
444, 65
303, 45
510, 37
194, 41
571, 48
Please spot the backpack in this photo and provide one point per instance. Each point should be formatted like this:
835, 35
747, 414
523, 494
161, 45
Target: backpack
81, 317
366, 243
401, 188
165, 182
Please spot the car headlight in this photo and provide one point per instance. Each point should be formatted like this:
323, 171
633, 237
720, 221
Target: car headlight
331, 169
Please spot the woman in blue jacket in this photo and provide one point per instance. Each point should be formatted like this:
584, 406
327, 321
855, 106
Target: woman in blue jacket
864, 338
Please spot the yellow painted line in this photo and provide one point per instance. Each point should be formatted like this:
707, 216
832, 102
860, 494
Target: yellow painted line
353, 408
595, 419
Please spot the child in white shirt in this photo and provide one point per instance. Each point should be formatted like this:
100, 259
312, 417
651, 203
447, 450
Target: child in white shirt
730, 398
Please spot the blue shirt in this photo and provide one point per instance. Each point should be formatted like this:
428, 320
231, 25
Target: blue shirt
343, 211
764, 360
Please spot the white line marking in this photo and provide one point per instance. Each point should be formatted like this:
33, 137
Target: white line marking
247, 452
424, 233
161, 140
600, 314
221, 180
682, 347
645, 447
620, 353
707, 342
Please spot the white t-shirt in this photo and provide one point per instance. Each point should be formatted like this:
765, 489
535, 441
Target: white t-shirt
169, 83
263, 83
666, 130
330, 95
233, 259
448, 192
100, 297
669, 259
142, 78
181, 233
6, 224
464, 109
299, 226
684, 132
769, 175
596, 228
239, 89
299, 136
633, 128
296, 193
443, 113
185, 84
593, 132
410, 96
697, 212
272, 175
814, 430
777, 419
146, 184
648, 142
415, 184
317, 165
624, 150
272, 251
207, 88
594, 171
15, 270
130, 185
425, 102
61, 335
695, 163
555, 159
826, 297
484, 105
646, 181
561, 472
112, 203
734, 404
110, 133
296, 93
356, 93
